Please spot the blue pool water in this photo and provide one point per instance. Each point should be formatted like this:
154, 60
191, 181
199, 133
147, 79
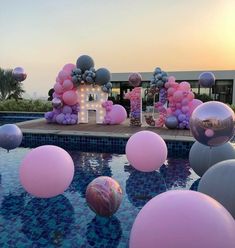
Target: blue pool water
66, 220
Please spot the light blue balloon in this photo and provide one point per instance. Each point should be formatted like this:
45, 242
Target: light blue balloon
10, 136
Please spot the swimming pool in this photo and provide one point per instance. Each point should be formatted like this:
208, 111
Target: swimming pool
66, 220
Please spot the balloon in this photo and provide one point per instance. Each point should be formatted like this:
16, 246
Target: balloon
102, 76
218, 182
85, 62
184, 86
68, 68
216, 116
193, 104
63, 75
57, 103
206, 79
146, 151
135, 79
60, 118
46, 171
171, 122
67, 85
202, 157
190, 96
10, 136
117, 114
178, 95
19, 74
70, 97
183, 219
185, 109
67, 110
58, 88
104, 195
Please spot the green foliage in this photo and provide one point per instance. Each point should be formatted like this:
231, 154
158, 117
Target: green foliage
203, 97
25, 105
9, 87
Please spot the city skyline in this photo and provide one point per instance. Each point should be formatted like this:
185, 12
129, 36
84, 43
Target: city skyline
123, 36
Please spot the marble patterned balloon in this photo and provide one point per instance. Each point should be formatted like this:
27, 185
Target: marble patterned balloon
135, 79
104, 196
19, 74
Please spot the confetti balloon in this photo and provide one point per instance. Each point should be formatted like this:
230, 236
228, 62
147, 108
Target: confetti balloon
135, 79
19, 74
104, 196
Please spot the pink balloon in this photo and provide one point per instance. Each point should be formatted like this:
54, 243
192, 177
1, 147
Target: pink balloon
190, 96
183, 219
63, 75
171, 79
170, 91
146, 151
185, 109
58, 88
193, 104
168, 111
178, 96
67, 85
70, 97
68, 68
184, 86
117, 114
46, 171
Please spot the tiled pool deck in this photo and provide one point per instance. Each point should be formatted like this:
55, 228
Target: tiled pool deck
98, 137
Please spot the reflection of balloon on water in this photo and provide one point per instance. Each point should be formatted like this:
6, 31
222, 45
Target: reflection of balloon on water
104, 232
50, 219
19, 74
206, 79
10, 136
218, 182
183, 219
217, 117
143, 186
146, 151
202, 157
104, 196
135, 79
46, 171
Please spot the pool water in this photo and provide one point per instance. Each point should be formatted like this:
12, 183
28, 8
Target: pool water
66, 220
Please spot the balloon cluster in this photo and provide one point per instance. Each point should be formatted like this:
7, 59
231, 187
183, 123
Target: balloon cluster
180, 99
159, 78
115, 113
65, 99
84, 72
136, 109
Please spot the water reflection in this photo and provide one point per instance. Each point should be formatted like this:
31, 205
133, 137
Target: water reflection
89, 166
175, 173
48, 219
104, 232
12, 205
143, 186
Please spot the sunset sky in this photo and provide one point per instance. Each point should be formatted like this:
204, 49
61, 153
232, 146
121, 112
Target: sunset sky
121, 35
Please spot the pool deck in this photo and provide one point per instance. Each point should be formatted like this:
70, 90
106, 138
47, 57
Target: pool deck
92, 129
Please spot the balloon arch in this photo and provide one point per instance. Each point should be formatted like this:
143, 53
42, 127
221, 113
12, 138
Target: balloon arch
80, 88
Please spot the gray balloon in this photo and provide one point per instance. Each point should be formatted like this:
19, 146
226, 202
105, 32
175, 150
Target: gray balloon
109, 85
171, 122
10, 136
202, 157
218, 182
85, 62
102, 76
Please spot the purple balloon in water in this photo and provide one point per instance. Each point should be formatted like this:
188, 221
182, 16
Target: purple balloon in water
10, 136
19, 74
206, 79
217, 117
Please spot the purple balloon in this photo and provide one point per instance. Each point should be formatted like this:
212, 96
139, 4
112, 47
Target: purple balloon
177, 112
19, 74
206, 79
10, 136
60, 118
171, 122
57, 103
181, 117
216, 116
67, 110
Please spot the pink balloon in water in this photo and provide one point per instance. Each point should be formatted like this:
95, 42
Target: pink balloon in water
146, 151
117, 114
46, 171
70, 97
183, 219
